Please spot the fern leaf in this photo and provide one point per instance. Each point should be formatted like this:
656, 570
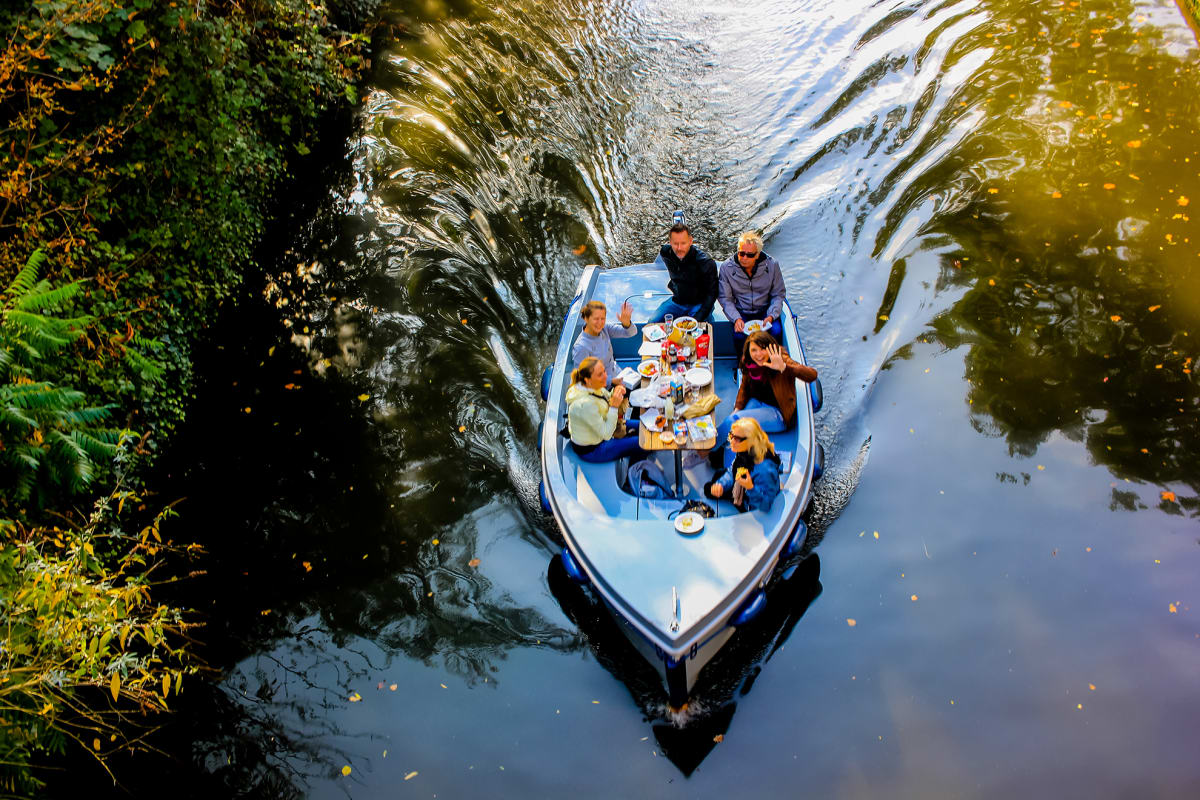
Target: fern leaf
88, 416
27, 278
95, 449
47, 298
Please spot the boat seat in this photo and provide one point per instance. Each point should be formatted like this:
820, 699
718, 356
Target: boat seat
598, 486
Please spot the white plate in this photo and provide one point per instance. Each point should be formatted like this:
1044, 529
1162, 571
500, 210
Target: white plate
754, 326
698, 377
651, 420
689, 522
654, 333
686, 324
648, 368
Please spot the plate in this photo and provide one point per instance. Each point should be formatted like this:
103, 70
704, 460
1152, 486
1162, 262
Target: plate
654, 333
686, 324
654, 422
666, 437
753, 326
648, 369
698, 377
689, 522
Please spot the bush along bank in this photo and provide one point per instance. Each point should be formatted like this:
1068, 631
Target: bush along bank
143, 146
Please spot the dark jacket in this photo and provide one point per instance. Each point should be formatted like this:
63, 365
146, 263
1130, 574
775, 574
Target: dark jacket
693, 280
751, 296
783, 386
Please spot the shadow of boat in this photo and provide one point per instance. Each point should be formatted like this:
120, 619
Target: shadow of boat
687, 737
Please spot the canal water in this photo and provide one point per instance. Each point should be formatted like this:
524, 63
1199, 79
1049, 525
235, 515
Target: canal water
984, 214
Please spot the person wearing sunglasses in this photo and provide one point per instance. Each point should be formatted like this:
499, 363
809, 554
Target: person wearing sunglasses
693, 281
752, 482
750, 286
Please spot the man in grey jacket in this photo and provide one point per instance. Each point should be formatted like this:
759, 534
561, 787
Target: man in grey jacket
751, 288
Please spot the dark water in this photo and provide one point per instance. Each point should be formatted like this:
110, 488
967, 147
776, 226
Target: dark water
984, 213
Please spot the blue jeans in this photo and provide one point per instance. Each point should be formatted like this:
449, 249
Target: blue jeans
613, 449
739, 339
669, 306
768, 416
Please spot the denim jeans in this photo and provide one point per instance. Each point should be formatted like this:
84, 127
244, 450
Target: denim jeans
768, 416
669, 306
613, 449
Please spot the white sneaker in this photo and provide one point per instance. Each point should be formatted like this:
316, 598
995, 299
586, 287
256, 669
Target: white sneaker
694, 459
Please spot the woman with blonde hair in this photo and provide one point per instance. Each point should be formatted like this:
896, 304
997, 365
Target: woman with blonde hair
752, 482
598, 430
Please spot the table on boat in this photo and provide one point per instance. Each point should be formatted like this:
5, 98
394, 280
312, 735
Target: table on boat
649, 440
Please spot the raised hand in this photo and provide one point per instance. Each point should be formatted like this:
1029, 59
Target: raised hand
775, 357
626, 315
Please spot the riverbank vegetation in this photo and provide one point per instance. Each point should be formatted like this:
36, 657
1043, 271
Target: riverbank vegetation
143, 147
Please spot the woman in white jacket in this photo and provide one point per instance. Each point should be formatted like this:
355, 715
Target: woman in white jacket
598, 432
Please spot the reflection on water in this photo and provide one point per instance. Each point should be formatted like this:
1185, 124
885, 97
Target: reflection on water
1009, 184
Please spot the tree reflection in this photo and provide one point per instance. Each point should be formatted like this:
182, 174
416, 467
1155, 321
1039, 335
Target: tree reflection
1063, 227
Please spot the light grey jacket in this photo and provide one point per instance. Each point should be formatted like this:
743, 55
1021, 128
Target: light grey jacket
753, 296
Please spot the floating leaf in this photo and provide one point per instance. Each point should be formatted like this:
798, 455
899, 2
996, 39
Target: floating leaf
1154, 308
346, 770
851, 622
1135, 144
1092, 686
1115, 317
462, 428
1056, 195
1183, 201
993, 190
354, 698
1172, 608
307, 566
579, 250
913, 598
392, 688
1168, 496
720, 737
474, 562
1110, 186
411, 775
364, 397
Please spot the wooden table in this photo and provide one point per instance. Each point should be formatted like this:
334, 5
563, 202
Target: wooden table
648, 440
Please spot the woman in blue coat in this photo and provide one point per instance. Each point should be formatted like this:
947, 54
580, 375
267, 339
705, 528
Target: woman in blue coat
752, 482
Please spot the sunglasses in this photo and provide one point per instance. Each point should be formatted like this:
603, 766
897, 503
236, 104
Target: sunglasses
744, 254
733, 437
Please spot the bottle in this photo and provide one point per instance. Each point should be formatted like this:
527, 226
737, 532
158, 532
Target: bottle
669, 410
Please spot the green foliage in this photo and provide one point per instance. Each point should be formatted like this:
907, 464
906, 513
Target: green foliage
50, 437
85, 654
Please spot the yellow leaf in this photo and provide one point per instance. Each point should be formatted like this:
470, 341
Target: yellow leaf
462, 428
1056, 195
1135, 144
579, 250
1168, 496
993, 190
114, 685
411, 775
346, 770
474, 562
1115, 317
364, 397
1183, 201
1110, 186
1092, 686
354, 698
307, 566
166, 683
991, 281
914, 598
851, 622
392, 687
1154, 308
875, 534
720, 737
1172, 608
95, 744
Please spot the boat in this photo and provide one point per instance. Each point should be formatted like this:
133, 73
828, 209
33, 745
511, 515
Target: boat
678, 598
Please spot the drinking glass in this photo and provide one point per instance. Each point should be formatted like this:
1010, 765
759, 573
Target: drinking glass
668, 321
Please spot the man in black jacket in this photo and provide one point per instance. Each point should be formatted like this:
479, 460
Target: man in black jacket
693, 281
